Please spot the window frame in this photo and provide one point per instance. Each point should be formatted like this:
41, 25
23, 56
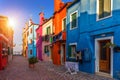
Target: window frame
63, 28
48, 28
31, 30
46, 49
76, 20
31, 41
72, 44
97, 9
31, 52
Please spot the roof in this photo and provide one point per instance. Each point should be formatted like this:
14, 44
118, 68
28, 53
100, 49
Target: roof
75, 1
66, 4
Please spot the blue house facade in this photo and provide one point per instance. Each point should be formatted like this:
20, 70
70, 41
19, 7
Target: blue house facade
96, 37
32, 39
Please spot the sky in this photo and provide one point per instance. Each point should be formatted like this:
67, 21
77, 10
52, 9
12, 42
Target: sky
22, 11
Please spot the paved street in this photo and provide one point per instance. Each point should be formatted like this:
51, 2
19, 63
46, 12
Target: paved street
18, 70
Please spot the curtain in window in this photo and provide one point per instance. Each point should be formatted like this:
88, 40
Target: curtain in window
101, 8
104, 8
107, 7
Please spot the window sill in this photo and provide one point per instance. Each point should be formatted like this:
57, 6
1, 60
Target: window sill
73, 28
103, 18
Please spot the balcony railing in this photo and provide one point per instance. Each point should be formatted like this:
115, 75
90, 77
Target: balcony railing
47, 38
59, 37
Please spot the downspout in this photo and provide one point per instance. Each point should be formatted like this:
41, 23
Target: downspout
33, 41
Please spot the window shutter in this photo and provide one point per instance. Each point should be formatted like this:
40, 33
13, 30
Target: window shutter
69, 51
51, 39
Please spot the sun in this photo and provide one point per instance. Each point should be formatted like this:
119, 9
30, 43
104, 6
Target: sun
12, 22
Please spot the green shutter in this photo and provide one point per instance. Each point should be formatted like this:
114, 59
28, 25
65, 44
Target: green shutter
69, 51
47, 30
51, 39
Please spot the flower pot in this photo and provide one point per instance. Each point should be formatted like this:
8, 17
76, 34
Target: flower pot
31, 65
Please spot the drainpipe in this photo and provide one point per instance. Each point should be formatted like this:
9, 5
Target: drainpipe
33, 40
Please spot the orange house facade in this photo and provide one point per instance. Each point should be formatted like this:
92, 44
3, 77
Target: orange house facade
59, 36
6, 41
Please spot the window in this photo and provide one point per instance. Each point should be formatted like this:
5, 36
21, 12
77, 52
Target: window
104, 8
31, 52
48, 30
46, 49
31, 30
28, 33
72, 51
30, 41
73, 19
64, 24
38, 35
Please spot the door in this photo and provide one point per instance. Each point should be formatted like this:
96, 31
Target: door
63, 56
104, 56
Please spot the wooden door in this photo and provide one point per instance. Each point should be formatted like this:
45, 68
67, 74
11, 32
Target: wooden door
104, 56
63, 56
64, 50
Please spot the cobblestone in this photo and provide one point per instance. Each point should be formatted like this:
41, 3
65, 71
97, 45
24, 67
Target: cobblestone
18, 69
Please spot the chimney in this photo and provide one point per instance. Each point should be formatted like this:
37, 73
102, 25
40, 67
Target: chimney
57, 5
41, 15
30, 22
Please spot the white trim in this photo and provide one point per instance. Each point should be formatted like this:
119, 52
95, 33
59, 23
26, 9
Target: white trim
97, 11
62, 22
73, 44
76, 20
97, 55
70, 44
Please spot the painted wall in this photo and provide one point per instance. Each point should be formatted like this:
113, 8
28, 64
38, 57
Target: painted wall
6, 41
57, 22
39, 37
89, 29
72, 33
32, 46
49, 23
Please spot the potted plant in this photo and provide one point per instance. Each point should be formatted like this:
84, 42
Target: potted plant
32, 61
109, 44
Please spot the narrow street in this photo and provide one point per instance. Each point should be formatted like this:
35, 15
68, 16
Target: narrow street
18, 70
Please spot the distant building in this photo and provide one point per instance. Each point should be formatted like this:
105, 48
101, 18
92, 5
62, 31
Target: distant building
39, 37
25, 41
6, 41
31, 38
47, 31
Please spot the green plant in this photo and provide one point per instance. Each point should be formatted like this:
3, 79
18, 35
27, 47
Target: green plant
32, 60
109, 44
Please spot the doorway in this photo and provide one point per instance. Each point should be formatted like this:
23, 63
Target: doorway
63, 56
104, 56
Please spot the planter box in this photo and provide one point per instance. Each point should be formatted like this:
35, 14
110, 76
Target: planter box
31, 65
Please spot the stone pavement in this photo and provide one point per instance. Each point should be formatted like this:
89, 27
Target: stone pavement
18, 70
